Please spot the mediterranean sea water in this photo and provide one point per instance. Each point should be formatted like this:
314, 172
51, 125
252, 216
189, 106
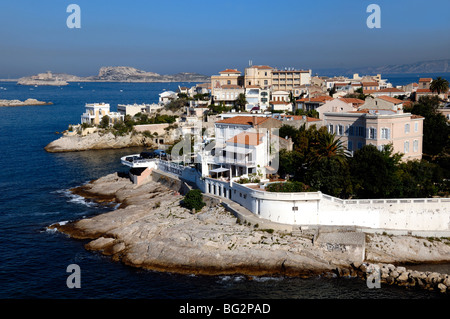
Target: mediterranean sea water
34, 194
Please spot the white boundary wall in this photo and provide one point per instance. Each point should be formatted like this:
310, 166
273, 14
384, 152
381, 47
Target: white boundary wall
316, 208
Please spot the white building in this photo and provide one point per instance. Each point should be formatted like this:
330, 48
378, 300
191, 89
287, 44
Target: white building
256, 98
245, 153
95, 112
131, 109
167, 96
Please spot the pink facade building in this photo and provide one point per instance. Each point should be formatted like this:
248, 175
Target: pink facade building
379, 127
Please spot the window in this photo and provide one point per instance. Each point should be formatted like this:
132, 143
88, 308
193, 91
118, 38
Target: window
228, 82
385, 133
340, 129
416, 127
372, 133
406, 147
415, 146
361, 131
350, 131
407, 128
359, 145
350, 146
330, 128
265, 82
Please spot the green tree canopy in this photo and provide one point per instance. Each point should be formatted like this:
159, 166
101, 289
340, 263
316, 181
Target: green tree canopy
439, 85
436, 131
193, 200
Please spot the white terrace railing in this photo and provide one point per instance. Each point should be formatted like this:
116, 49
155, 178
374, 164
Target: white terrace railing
385, 201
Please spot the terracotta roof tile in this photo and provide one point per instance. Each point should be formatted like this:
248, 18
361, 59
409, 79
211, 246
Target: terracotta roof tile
390, 99
322, 98
230, 71
247, 138
244, 120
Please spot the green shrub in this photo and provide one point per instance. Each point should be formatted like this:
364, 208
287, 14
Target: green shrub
289, 187
193, 200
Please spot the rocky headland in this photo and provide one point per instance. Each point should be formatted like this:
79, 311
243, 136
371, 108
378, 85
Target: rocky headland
23, 103
97, 141
151, 230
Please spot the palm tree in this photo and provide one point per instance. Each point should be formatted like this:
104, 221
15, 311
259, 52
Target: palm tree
241, 101
328, 146
439, 85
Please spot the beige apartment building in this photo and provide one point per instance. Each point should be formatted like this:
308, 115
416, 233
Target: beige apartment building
379, 127
227, 77
287, 80
260, 75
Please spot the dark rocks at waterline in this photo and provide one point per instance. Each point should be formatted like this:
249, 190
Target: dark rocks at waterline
398, 275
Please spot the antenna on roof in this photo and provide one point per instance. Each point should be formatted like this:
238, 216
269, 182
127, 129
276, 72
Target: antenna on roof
250, 62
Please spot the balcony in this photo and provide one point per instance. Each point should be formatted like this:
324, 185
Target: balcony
234, 161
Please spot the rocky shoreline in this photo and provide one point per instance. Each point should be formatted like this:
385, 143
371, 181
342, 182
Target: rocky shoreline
97, 141
151, 230
27, 102
390, 274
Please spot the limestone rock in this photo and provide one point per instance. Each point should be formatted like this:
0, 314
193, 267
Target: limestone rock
97, 141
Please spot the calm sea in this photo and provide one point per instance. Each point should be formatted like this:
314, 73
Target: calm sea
34, 194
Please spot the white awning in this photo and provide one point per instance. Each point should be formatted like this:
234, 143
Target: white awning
219, 170
234, 149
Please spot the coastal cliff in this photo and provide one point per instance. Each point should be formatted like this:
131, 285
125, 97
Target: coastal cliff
97, 141
151, 230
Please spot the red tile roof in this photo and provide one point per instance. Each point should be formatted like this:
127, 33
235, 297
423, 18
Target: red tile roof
279, 102
390, 99
244, 120
425, 79
298, 117
320, 99
395, 90
423, 91
370, 83
262, 67
351, 100
247, 138
230, 71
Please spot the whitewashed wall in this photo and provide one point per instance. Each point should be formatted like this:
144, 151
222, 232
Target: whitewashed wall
316, 208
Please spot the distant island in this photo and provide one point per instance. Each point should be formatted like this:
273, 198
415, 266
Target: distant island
23, 103
433, 66
112, 74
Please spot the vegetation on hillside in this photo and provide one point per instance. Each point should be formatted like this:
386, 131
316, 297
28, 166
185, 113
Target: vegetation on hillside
321, 161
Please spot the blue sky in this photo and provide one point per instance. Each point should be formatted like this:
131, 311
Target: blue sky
207, 36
